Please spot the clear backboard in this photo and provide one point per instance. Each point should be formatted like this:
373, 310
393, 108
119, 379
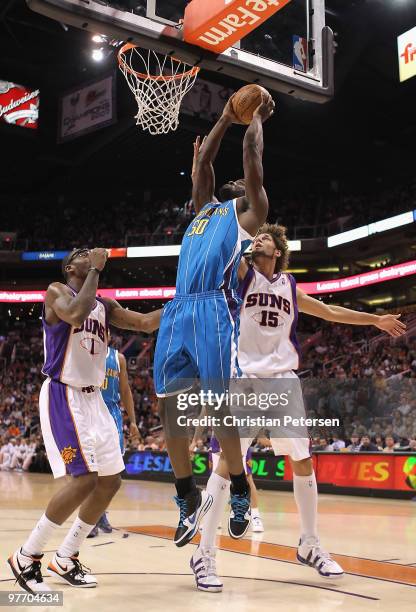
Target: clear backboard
292, 52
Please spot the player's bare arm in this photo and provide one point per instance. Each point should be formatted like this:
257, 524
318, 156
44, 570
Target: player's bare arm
129, 319
60, 303
127, 401
253, 208
203, 174
389, 323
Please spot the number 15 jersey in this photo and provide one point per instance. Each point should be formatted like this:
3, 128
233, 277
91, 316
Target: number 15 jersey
268, 320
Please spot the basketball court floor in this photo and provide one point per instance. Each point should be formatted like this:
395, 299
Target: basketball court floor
138, 567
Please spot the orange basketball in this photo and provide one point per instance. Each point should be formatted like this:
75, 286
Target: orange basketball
246, 100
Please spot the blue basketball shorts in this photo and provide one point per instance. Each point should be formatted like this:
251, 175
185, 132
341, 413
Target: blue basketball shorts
198, 339
115, 411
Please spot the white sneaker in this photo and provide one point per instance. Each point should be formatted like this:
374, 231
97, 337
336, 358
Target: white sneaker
257, 525
28, 572
71, 571
205, 571
310, 553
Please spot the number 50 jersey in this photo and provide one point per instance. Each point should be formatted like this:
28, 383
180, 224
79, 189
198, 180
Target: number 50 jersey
268, 320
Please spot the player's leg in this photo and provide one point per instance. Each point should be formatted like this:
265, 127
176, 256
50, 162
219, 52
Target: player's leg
203, 563
65, 565
191, 501
70, 449
217, 362
306, 497
203, 560
175, 369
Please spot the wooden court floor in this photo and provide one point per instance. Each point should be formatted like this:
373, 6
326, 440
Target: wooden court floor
139, 568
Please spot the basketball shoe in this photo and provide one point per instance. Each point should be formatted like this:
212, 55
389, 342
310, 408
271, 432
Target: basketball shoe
205, 571
240, 515
27, 570
192, 508
104, 524
257, 525
93, 533
71, 571
310, 553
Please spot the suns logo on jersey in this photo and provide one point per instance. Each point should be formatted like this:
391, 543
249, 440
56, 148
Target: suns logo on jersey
68, 454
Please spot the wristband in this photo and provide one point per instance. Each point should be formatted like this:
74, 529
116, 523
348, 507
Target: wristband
95, 269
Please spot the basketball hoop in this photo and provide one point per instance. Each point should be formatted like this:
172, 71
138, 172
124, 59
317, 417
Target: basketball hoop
159, 84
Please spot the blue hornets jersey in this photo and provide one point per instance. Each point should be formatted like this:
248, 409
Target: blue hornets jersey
211, 250
111, 387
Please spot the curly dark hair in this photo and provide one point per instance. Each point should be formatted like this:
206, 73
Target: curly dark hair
278, 233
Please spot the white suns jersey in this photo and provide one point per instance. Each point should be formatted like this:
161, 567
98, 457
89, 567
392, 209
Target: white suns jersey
77, 356
268, 318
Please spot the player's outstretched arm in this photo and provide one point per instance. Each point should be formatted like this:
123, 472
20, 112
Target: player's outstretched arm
74, 310
253, 216
126, 397
134, 321
337, 314
203, 175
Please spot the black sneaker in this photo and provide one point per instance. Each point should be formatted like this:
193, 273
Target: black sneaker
240, 515
192, 508
71, 571
28, 572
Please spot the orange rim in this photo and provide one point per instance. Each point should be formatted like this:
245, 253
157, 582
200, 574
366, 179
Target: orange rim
141, 75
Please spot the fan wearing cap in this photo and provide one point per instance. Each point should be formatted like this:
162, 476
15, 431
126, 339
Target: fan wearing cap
79, 433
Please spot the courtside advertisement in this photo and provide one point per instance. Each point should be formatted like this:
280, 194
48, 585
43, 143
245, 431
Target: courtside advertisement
19, 105
395, 472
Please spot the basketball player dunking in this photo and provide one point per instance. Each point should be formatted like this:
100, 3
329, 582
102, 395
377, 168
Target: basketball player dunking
79, 433
198, 333
268, 349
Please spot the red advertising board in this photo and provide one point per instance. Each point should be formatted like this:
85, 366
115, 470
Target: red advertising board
364, 470
19, 105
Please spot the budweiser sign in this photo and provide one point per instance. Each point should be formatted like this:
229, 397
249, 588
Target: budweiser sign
19, 105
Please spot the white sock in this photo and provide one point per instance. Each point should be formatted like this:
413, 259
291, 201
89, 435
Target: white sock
74, 538
255, 513
306, 496
219, 488
37, 540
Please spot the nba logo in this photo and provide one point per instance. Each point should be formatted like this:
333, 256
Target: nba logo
300, 54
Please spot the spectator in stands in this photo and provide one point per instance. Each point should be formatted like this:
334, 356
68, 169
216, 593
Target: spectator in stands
390, 445
337, 443
354, 447
367, 446
378, 440
323, 446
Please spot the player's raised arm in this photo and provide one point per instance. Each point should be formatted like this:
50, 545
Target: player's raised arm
337, 314
203, 174
59, 298
255, 215
129, 319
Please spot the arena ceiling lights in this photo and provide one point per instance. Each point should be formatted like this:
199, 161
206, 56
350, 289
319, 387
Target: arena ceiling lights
373, 228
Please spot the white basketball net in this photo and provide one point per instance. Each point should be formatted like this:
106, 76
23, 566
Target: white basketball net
159, 84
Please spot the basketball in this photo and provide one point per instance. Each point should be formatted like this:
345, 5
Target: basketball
246, 100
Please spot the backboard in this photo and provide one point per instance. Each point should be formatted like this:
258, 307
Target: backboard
292, 52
